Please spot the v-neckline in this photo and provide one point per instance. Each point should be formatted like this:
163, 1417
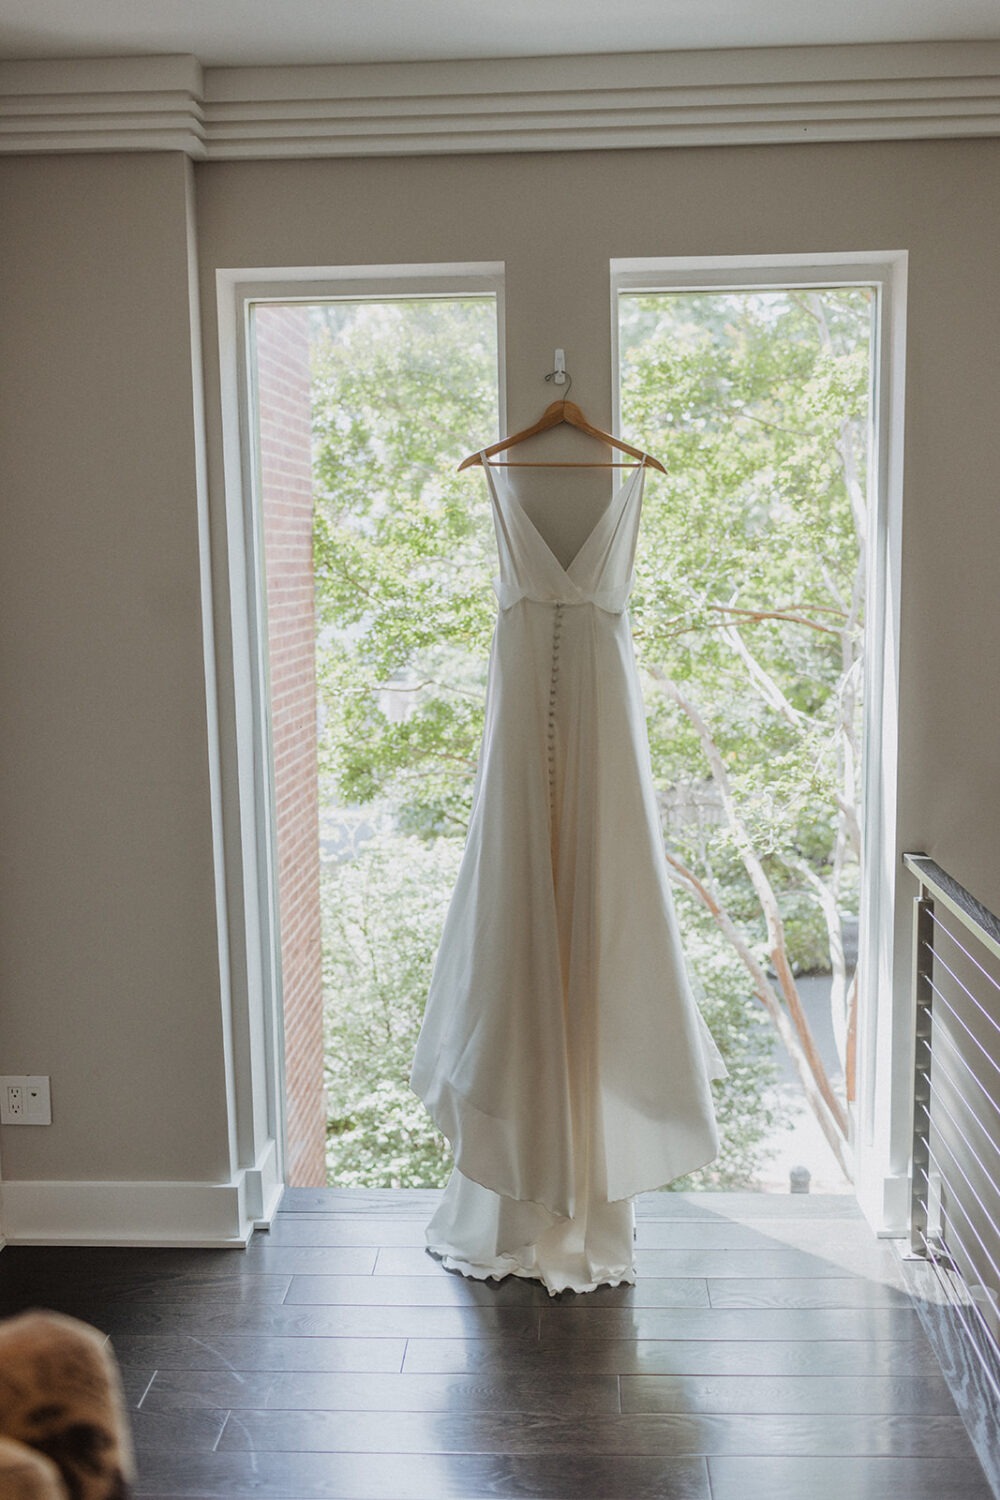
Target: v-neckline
619, 495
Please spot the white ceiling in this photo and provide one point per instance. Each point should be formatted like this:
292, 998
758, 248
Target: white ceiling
249, 32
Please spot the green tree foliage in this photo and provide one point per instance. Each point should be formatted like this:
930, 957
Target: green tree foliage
382, 917
402, 552
747, 620
404, 609
748, 612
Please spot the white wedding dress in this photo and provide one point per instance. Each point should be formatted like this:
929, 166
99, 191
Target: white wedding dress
561, 1052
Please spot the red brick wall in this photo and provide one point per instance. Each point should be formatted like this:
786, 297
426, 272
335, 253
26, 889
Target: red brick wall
286, 482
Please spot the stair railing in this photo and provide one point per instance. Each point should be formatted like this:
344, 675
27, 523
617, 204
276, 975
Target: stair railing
955, 1177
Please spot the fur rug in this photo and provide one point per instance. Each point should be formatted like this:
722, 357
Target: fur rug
63, 1430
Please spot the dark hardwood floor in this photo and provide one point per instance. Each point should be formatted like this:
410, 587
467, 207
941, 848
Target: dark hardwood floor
768, 1352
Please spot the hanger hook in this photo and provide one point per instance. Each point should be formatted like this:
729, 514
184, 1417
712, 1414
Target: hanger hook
566, 376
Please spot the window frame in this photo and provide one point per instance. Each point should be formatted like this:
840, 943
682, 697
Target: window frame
882, 1112
246, 842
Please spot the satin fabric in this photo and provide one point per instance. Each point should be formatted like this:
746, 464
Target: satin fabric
561, 1052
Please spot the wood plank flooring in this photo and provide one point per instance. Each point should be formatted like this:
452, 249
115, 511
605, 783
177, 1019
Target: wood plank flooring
770, 1349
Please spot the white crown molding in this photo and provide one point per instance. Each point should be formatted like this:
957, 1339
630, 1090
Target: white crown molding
103, 104
920, 90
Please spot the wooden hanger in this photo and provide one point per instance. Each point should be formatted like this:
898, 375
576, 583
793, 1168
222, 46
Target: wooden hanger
556, 412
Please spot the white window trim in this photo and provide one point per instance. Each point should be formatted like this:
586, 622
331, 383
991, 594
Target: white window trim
255, 1069
882, 1120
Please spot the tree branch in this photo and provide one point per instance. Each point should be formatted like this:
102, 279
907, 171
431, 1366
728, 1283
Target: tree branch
770, 690
826, 896
767, 995
774, 614
765, 895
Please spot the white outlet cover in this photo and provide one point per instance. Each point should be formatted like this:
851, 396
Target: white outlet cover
36, 1107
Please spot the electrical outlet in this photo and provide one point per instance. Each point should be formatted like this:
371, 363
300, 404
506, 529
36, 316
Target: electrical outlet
37, 1101
25, 1100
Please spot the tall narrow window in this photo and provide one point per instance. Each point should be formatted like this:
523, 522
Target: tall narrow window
378, 567
749, 612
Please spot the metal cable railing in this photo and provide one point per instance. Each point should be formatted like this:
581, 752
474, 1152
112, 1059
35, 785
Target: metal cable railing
955, 1181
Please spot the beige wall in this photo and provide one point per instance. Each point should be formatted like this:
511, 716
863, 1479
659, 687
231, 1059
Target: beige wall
557, 220
110, 974
111, 981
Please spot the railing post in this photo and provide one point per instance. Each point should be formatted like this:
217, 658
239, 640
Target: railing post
923, 959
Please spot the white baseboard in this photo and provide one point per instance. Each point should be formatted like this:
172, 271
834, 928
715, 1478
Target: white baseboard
204, 1215
264, 1186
